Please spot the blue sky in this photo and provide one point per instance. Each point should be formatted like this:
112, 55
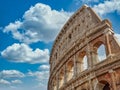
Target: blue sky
27, 31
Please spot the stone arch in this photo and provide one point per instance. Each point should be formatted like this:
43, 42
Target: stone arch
103, 85
70, 70
97, 45
99, 49
82, 61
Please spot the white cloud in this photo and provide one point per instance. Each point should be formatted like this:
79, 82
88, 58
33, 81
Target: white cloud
11, 74
41, 77
16, 81
44, 67
107, 7
4, 82
40, 85
40, 23
23, 53
88, 1
117, 36
8, 79
80, 2
12, 27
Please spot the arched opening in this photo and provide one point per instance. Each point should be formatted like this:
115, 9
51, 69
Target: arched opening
101, 52
70, 70
103, 85
61, 78
85, 64
82, 63
55, 87
106, 86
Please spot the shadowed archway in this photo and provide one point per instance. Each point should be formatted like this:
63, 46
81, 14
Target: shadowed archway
102, 85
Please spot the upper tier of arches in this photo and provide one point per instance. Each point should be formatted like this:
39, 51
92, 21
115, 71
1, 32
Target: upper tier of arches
83, 18
76, 28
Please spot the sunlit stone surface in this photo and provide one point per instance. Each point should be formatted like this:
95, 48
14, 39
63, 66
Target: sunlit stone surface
85, 55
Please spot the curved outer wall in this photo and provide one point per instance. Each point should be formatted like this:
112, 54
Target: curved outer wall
81, 37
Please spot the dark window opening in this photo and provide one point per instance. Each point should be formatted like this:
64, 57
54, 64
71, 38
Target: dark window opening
56, 55
106, 87
83, 21
70, 36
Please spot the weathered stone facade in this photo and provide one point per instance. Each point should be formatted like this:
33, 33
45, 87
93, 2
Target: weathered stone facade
81, 36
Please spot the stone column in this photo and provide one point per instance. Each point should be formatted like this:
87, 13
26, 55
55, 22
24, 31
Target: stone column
112, 74
90, 85
89, 56
65, 74
69, 74
108, 48
90, 81
75, 66
79, 63
94, 56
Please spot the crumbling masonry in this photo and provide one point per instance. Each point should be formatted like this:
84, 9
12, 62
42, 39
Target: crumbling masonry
81, 38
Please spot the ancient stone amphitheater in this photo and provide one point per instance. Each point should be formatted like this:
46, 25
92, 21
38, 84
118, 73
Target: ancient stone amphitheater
74, 61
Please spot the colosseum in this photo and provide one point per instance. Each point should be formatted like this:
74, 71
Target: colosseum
75, 63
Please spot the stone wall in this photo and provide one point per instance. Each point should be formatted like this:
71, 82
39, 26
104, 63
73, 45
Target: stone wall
74, 62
